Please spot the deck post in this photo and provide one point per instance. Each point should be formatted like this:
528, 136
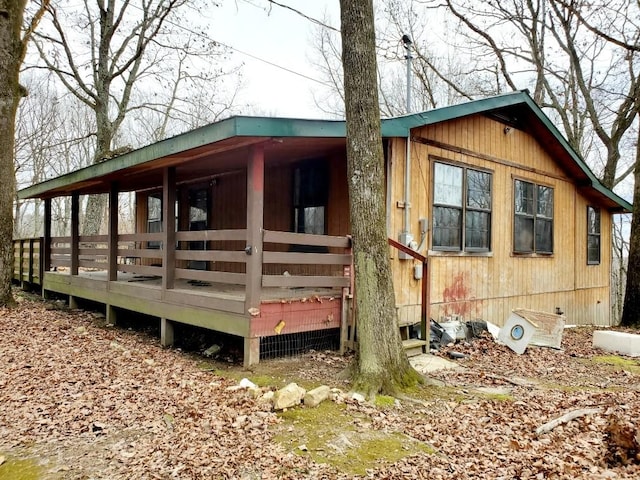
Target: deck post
255, 218
45, 247
251, 351
31, 259
111, 315
112, 266
21, 264
166, 332
169, 223
73, 302
75, 232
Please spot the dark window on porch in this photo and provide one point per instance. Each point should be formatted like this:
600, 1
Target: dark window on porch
154, 218
310, 193
593, 236
198, 221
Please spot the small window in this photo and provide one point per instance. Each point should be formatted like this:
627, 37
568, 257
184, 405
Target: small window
461, 209
533, 218
154, 218
593, 236
310, 193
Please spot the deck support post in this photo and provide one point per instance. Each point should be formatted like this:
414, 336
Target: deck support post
255, 219
166, 332
169, 224
251, 351
45, 247
73, 302
112, 267
31, 259
75, 233
112, 315
21, 263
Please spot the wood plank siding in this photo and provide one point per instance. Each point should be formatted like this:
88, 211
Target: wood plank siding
488, 285
227, 211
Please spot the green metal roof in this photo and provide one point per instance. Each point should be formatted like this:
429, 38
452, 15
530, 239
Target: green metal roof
269, 127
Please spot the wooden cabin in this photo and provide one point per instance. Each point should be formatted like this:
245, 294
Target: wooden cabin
242, 226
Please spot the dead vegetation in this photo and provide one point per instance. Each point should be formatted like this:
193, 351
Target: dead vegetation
81, 400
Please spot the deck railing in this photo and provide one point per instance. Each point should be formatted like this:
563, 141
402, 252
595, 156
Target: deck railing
289, 260
26, 260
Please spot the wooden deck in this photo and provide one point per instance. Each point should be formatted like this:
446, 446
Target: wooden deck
216, 299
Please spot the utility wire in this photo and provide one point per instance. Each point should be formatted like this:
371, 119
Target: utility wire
304, 15
268, 62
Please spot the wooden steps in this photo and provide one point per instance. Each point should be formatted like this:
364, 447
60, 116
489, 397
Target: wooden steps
414, 346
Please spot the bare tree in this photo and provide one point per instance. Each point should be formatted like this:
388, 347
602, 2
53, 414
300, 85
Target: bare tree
13, 47
381, 364
102, 51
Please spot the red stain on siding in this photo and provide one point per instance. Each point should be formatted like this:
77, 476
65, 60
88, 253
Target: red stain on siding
458, 298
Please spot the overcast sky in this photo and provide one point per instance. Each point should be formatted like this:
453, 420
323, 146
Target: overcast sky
279, 36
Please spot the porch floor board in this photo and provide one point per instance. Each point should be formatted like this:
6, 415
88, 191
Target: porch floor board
223, 291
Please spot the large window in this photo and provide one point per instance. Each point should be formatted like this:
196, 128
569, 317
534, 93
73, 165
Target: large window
593, 236
310, 192
461, 208
533, 218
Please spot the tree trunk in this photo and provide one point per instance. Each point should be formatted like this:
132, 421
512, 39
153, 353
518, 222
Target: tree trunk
380, 364
631, 309
11, 54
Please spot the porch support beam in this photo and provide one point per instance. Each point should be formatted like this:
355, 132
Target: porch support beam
169, 223
112, 268
255, 219
75, 232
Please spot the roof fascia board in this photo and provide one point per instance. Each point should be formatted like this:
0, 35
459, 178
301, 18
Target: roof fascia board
239, 126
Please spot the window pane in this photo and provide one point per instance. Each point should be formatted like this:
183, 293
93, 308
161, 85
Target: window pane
310, 184
447, 227
477, 230
545, 202
198, 206
154, 206
309, 220
447, 185
523, 197
593, 249
544, 235
478, 190
523, 234
593, 220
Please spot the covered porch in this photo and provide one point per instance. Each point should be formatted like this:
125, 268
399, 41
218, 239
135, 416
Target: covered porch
263, 260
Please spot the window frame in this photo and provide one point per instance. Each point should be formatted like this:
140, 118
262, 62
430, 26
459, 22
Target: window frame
464, 208
154, 224
535, 216
597, 211
315, 198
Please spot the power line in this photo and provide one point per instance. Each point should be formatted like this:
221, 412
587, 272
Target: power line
304, 15
255, 57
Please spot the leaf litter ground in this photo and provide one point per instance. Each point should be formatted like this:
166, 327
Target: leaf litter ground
80, 400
